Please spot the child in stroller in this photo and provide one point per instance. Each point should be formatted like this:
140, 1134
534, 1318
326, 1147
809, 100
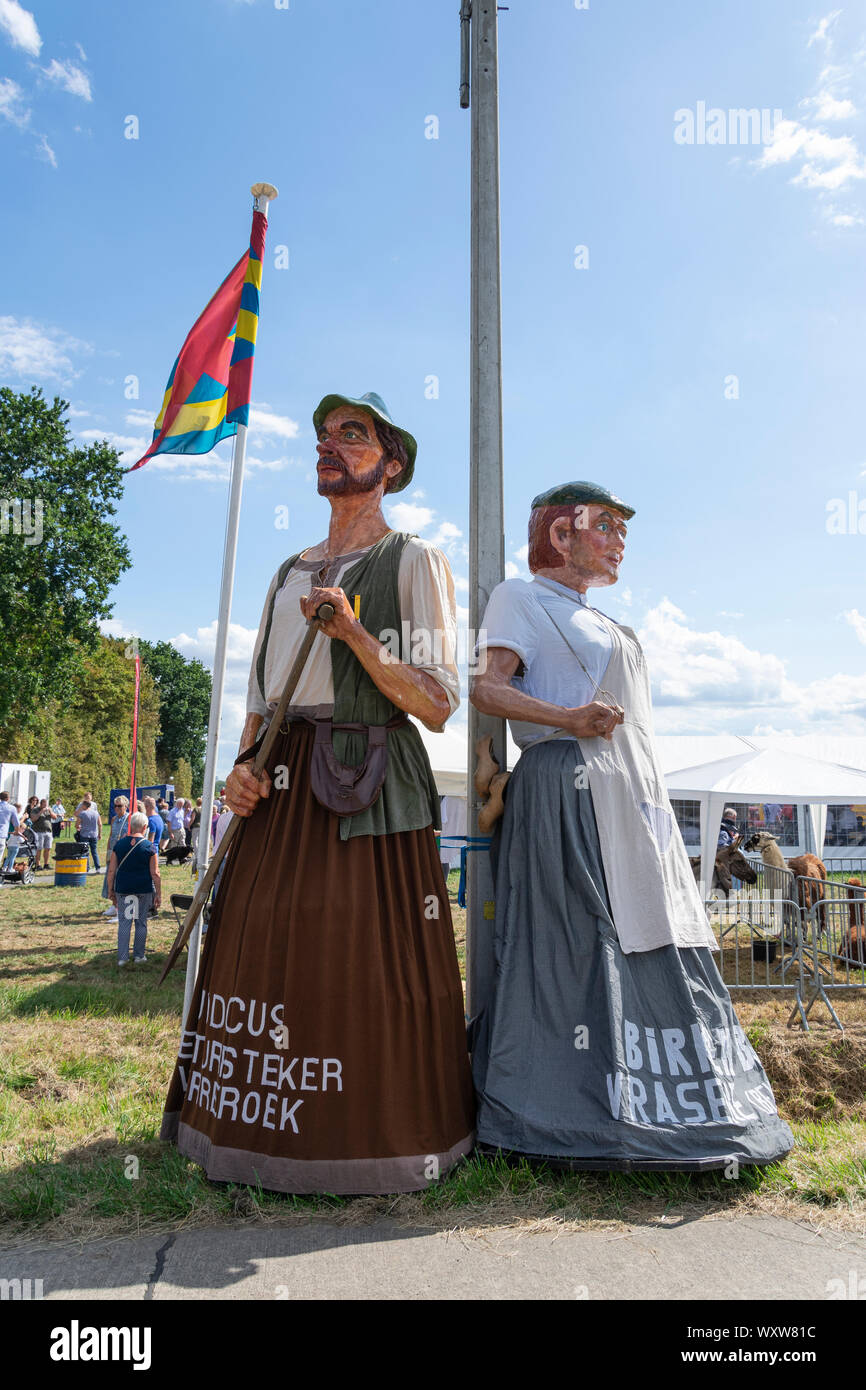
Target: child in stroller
18, 866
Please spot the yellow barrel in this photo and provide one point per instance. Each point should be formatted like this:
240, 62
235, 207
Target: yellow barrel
70, 864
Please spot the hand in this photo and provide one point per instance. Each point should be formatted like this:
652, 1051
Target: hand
244, 791
113, 897
343, 623
595, 720
157, 902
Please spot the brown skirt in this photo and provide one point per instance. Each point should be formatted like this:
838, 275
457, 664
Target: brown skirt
326, 1047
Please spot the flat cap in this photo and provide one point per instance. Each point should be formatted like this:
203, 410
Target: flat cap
566, 493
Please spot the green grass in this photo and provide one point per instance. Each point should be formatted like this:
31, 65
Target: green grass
86, 1054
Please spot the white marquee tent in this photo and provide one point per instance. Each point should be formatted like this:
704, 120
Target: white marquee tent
772, 773
810, 771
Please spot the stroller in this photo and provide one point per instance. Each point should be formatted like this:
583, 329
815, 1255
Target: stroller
22, 870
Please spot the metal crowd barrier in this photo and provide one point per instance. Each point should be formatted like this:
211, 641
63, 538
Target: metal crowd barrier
836, 926
779, 934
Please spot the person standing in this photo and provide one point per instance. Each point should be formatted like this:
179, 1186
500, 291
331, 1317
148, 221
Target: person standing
195, 826
155, 823
119, 826
729, 833
88, 825
8, 820
41, 820
134, 887
13, 844
175, 823
331, 935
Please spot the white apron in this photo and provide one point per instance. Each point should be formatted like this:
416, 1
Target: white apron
653, 895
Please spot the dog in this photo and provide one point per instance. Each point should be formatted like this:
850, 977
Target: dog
178, 854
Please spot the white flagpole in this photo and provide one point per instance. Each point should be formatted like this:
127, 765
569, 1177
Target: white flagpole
263, 194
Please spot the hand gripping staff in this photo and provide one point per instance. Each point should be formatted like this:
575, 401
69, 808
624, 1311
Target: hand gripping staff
324, 612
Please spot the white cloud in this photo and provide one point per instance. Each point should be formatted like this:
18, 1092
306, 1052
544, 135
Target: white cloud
13, 105
822, 33
706, 682
29, 350
826, 107
135, 416
44, 151
239, 655
203, 645
131, 447
858, 622
512, 571
255, 464
407, 516
705, 667
445, 536
522, 554
266, 421
116, 627
843, 219
723, 613
76, 414
826, 161
20, 26
70, 77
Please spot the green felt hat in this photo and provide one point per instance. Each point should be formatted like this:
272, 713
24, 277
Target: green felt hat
374, 405
567, 493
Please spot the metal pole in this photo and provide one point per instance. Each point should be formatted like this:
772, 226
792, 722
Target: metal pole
263, 195
486, 521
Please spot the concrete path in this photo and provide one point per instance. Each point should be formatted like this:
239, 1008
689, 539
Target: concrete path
743, 1259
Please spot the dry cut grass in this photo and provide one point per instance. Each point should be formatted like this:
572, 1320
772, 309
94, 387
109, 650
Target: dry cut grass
86, 1054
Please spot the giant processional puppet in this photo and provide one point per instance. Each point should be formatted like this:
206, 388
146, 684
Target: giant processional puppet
609, 1039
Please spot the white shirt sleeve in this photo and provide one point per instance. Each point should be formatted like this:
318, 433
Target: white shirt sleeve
511, 620
429, 606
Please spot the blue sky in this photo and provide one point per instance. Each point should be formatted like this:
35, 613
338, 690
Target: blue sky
707, 363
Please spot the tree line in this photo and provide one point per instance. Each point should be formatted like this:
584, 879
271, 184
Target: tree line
66, 689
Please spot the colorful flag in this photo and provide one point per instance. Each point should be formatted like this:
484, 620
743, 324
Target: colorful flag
208, 392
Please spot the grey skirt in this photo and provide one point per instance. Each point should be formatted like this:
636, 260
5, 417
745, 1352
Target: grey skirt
588, 1056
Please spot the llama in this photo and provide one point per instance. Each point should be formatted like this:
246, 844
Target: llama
809, 870
730, 864
853, 943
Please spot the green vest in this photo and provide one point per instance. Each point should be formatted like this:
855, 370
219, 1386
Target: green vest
408, 799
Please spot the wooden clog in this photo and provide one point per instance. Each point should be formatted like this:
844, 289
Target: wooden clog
486, 765
495, 805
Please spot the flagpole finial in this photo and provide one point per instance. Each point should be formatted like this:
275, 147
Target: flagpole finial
263, 194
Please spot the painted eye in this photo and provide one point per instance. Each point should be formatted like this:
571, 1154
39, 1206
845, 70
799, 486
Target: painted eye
604, 526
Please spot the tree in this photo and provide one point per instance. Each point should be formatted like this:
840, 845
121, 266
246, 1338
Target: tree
182, 778
60, 553
184, 687
85, 741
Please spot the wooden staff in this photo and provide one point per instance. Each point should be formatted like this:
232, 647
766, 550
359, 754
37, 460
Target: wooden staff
324, 612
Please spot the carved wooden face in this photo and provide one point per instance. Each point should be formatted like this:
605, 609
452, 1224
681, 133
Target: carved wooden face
591, 541
350, 455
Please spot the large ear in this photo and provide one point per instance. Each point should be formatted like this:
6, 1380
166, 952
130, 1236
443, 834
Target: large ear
560, 532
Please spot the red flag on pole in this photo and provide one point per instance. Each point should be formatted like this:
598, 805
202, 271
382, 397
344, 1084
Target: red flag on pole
132, 797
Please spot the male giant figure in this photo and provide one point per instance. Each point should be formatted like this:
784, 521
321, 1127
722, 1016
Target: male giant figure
326, 1046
